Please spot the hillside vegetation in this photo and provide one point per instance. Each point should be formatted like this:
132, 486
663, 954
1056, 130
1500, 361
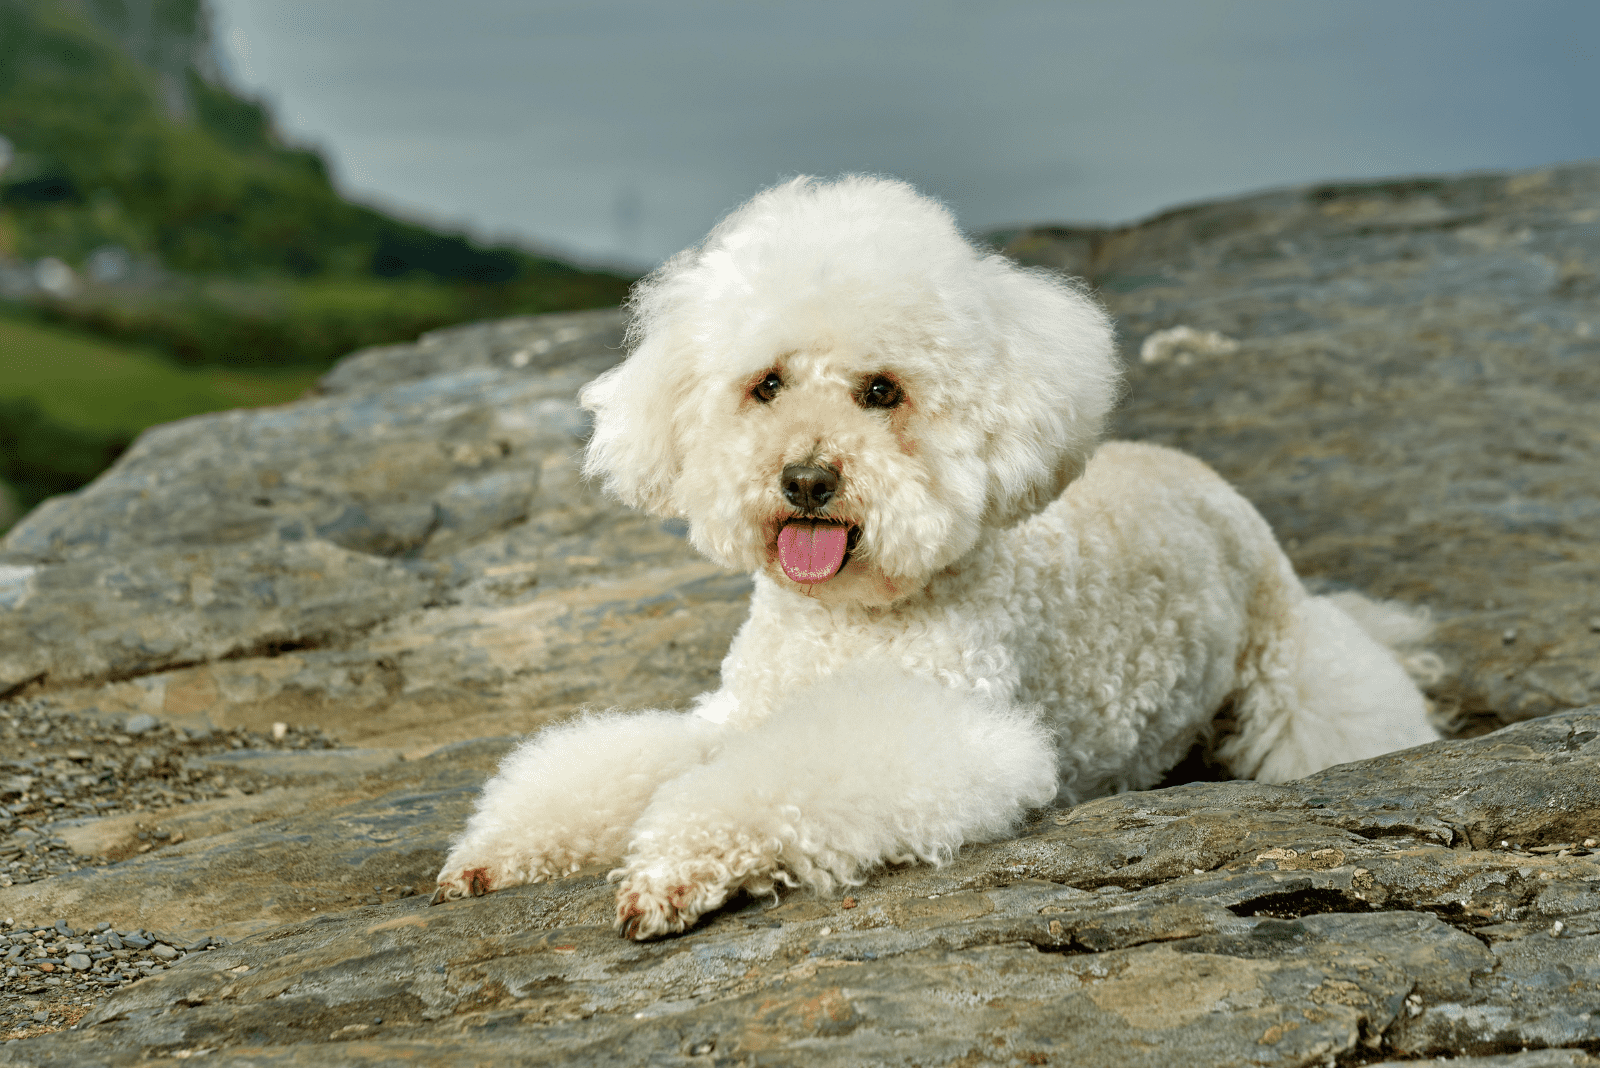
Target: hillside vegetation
145, 203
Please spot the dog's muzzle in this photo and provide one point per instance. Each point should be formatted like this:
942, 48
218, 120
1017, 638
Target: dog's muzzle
812, 547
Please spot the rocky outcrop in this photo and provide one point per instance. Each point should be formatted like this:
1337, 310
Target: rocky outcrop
1393, 372
1378, 908
408, 559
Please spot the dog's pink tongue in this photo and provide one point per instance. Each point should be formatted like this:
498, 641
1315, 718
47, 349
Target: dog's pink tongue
811, 552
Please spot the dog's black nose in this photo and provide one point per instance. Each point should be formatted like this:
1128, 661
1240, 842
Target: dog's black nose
809, 488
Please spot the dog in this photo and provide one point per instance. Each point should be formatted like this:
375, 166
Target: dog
963, 609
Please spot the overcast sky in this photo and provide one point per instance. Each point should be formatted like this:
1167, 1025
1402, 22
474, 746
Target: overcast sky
620, 130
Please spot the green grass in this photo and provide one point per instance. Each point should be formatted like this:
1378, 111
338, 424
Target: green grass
88, 384
69, 404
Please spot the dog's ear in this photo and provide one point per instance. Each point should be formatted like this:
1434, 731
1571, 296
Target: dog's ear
1057, 377
636, 448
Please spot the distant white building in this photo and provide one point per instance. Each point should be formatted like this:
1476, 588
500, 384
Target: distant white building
55, 277
109, 263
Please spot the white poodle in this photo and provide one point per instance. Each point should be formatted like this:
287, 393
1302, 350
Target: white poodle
958, 614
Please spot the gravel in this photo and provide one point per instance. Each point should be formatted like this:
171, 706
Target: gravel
57, 766
54, 973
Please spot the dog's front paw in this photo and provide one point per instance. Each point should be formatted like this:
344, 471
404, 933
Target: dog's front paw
474, 869
468, 873
660, 902
457, 882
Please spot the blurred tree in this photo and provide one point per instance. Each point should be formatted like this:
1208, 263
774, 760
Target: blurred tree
40, 457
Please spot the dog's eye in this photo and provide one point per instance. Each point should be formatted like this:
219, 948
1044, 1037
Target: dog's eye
767, 388
882, 392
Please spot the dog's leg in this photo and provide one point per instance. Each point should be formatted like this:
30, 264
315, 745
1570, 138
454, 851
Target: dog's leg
567, 797
855, 771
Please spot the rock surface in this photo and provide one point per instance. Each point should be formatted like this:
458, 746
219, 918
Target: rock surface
1368, 910
408, 561
1411, 403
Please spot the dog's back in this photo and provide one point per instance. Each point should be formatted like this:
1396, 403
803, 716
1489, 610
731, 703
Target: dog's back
1168, 598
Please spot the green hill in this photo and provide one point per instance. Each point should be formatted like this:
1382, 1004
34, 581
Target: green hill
172, 225
218, 242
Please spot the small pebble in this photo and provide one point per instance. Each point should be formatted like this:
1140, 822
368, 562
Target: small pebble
280, 731
1556, 929
848, 903
1589, 843
137, 725
1509, 636
1594, 624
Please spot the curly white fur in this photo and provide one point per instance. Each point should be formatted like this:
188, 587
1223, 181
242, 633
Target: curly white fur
1013, 621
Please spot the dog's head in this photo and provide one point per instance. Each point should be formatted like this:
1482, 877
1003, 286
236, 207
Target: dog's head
839, 390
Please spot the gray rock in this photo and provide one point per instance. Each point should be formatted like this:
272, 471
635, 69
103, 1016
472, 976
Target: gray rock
1537, 1058
283, 854
1401, 403
137, 725
1341, 916
295, 766
529, 344
409, 560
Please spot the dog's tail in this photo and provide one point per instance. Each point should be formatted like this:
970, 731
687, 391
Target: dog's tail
1339, 683
1402, 629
